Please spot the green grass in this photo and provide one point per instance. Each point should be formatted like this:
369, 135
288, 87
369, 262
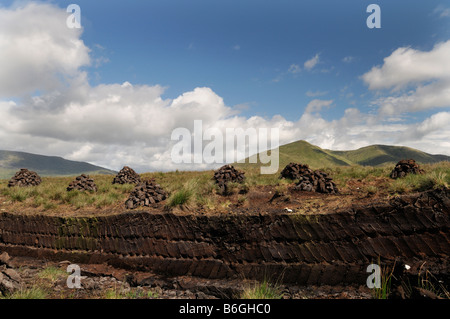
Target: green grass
51, 274
114, 294
262, 290
180, 197
385, 289
197, 188
106, 199
360, 172
152, 294
52, 193
121, 293
28, 293
42, 285
371, 190
436, 176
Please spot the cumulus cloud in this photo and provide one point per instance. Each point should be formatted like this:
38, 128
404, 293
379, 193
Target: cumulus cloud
428, 72
436, 94
439, 122
406, 66
431, 135
37, 49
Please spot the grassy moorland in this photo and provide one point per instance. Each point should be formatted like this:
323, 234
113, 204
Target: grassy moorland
195, 190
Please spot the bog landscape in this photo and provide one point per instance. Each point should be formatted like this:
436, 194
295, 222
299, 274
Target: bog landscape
309, 231
229, 150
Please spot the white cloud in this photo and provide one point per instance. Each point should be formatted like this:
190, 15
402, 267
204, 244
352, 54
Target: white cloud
118, 125
408, 66
317, 105
311, 63
431, 135
428, 72
37, 49
434, 95
439, 122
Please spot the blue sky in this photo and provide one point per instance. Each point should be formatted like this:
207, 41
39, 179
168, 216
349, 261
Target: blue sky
302, 64
243, 49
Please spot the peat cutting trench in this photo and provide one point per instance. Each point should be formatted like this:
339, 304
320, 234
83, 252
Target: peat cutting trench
330, 248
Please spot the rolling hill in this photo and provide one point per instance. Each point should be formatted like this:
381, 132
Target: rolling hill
11, 162
374, 155
382, 154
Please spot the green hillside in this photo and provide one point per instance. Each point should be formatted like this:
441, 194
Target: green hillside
11, 162
304, 152
374, 155
382, 154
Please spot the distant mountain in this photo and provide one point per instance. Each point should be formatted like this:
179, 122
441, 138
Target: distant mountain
374, 155
382, 154
11, 162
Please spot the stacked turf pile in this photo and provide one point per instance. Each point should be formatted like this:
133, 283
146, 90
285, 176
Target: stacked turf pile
227, 174
82, 183
309, 180
146, 193
316, 181
24, 178
405, 167
127, 176
294, 171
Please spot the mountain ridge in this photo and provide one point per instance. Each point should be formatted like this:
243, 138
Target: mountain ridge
12, 161
373, 155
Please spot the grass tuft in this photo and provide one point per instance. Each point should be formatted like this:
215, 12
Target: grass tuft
181, 197
386, 278
262, 290
28, 293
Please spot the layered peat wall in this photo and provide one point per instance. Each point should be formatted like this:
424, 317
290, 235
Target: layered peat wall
329, 248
